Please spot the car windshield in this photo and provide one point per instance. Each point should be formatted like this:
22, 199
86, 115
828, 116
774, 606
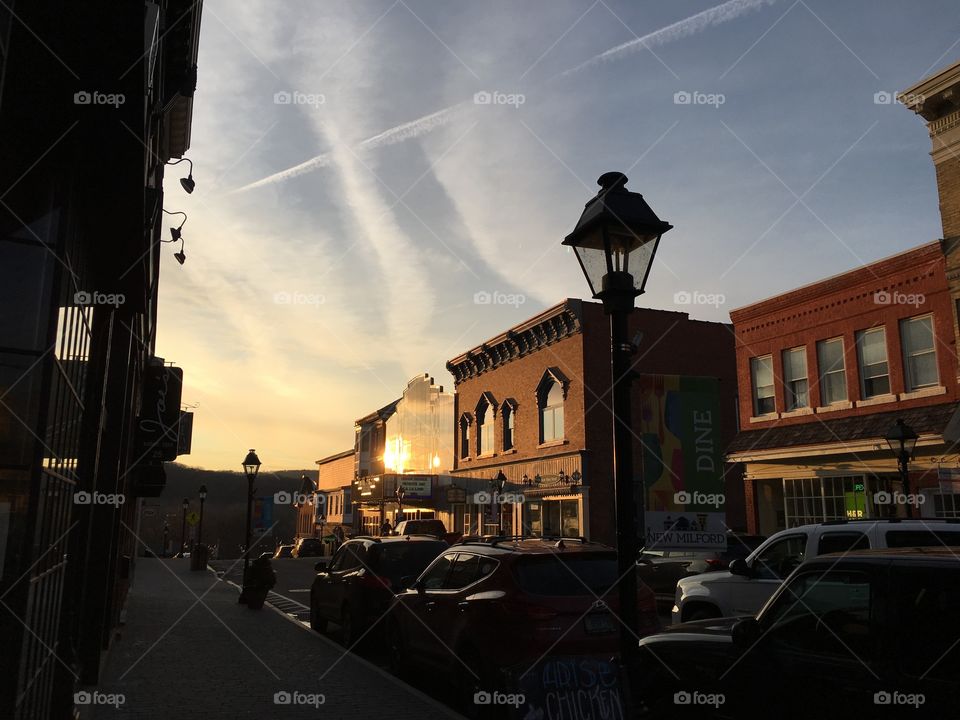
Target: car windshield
579, 574
397, 560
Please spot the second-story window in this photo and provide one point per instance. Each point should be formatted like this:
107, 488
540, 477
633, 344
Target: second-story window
465, 435
761, 370
551, 413
872, 354
919, 353
484, 427
795, 384
507, 413
833, 372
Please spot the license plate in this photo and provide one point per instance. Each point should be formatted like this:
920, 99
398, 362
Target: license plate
598, 623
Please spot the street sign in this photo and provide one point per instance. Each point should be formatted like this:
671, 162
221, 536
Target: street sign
193, 518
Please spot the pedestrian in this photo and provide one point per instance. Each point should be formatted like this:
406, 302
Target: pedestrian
337, 537
386, 529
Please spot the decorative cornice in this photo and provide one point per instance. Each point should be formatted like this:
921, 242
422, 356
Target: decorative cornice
554, 324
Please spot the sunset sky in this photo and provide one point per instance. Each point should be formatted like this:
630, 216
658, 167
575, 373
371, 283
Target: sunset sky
336, 243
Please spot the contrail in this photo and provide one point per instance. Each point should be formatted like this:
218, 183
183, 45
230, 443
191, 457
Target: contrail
406, 131
428, 123
676, 31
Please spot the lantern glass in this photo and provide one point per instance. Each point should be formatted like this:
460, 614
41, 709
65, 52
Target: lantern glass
251, 465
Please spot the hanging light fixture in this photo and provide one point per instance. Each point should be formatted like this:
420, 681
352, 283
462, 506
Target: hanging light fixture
186, 183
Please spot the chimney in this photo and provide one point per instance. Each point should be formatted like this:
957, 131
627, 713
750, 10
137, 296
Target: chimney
937, 100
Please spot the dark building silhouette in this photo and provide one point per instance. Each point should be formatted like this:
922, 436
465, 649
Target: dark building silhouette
91, 109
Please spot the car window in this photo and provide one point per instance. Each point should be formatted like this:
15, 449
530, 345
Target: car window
825, 613
922, 538
397, 560
435, 575
832, 542
353, 558
465, 570
580, 574
780, 558
927, 618
337, 562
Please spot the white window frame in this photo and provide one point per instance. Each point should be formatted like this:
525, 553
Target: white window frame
908, 383
754, 362
862, 368
823, 372
788, 392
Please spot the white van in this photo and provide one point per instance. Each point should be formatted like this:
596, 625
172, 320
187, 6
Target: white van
750, 582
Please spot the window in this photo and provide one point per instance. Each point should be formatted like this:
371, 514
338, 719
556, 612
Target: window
813, 500
507, 412
838, 542
922, 538
795, 385
465, 435
919, 354
761, 370
872, 353
551, 413
433, 577
484, 427
926, 605
833, 373
780, 558
824, 613
946, 505
467, 570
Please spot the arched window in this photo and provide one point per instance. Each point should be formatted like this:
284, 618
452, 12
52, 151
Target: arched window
486, 409
465, 435
508, 414
551, 411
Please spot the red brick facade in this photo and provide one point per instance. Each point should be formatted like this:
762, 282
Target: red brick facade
572, 340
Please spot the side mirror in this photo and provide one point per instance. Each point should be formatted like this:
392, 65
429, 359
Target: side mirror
406, 581
740, 567
321, 565
746, 633
419, 586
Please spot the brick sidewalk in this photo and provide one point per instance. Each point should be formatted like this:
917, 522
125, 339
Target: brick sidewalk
174, 661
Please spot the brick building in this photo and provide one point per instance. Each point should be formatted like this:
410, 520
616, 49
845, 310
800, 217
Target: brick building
533, 403
827, 369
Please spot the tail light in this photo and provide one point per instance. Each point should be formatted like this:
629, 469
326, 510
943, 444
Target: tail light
714, 563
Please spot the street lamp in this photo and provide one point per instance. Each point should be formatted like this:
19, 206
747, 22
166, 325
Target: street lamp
203, 497
615, 241
399, 493
902, 440
183, 527
251, 466
497, 484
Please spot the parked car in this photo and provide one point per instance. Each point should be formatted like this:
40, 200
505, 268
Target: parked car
869, 633
436, 528
749, 583
283, 551
485, 607
307, 547
661, 570
357, 586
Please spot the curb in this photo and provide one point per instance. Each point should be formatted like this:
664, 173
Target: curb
443, 709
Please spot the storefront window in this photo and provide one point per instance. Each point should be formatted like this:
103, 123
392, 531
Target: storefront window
813, 500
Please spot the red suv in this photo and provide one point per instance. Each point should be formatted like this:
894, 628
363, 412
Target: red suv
484, 608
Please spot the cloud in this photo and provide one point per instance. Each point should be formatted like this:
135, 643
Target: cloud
675, 31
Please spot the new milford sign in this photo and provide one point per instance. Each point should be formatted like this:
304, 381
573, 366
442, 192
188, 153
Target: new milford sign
682, 463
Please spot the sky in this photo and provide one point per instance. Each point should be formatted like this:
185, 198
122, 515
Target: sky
384, 185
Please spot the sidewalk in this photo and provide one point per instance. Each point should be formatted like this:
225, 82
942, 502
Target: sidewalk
177, 661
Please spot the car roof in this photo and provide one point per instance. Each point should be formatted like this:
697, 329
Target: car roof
392, 539
925, 523
907, 554
531, 546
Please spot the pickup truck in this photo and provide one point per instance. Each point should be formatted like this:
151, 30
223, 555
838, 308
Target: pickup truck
436, 528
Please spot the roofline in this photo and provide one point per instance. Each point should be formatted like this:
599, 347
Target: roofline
377, 413
932, 84
853, 275
337, 456
572, 304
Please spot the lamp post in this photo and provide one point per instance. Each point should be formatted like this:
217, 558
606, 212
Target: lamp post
183, 527
902, 440
497, 484
203, 497
251, 466
615, 241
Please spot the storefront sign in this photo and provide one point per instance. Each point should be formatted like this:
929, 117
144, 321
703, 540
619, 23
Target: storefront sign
571, 687
158, 425
683, 463
416, 487
456, 495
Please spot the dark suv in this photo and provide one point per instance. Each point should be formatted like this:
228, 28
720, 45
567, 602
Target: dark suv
483, 613
871, 633
358, 585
